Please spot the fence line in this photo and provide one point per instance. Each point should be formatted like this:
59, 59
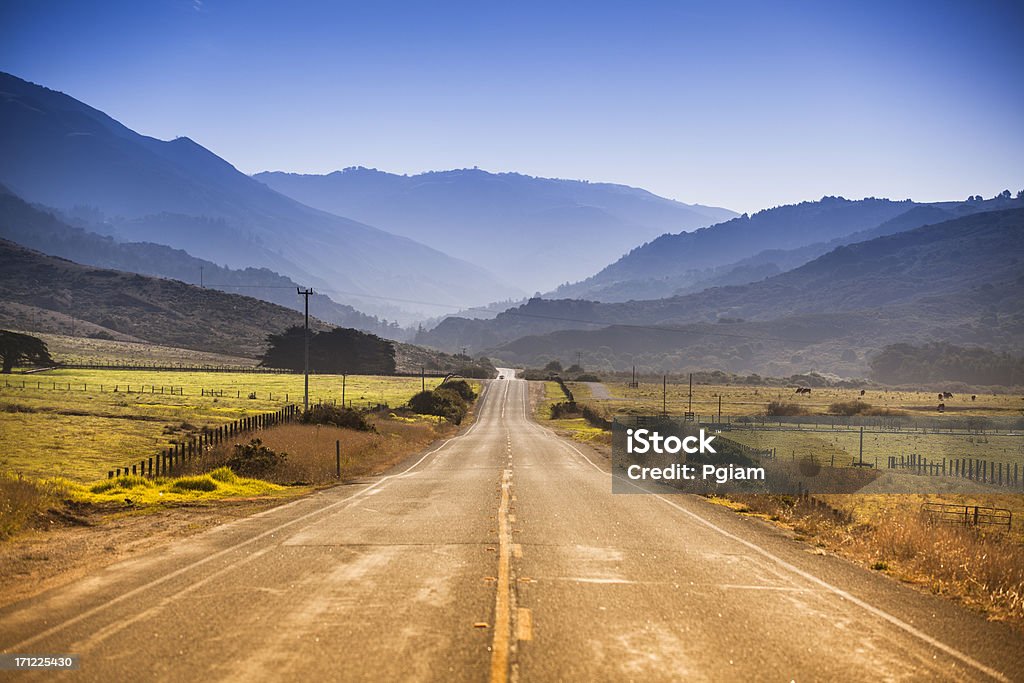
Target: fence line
173, 460
974, 469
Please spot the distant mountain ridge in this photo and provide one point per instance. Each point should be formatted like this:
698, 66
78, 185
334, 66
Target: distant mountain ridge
960, 281
62, 153
671, 262
48, 294
537, 231
38, 229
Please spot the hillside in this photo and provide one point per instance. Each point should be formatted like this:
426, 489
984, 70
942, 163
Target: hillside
37, 229
774, 261
671, 262
546, 231
62, 153
40, 293
960, 281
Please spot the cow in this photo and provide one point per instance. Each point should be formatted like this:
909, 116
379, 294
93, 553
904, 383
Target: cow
974, 397
946, 394
941, 408
861, 392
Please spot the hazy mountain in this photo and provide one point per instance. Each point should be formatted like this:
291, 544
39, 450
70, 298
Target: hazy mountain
61, 153
960, 281
40, 293
41, 230
671, 262
537, 232
774, 261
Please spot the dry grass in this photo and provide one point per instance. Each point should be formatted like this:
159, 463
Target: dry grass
311, 449
21, 500
981, 568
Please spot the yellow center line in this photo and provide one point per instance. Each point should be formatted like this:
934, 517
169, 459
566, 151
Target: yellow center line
502, 605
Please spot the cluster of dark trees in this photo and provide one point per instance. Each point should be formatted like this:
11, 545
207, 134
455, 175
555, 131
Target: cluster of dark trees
941, 362
338, 351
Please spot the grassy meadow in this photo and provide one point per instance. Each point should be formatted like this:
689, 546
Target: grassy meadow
72, 423
739, 400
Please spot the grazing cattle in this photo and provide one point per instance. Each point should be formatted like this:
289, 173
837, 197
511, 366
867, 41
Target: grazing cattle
946, 394
941, 396
941, 408
974, 397
803, 390
861, 392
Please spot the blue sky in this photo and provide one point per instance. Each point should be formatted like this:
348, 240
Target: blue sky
740, 104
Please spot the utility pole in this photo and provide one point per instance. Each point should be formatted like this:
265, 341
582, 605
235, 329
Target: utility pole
664, 395
423, 379
200, 277
343, 377
305, 400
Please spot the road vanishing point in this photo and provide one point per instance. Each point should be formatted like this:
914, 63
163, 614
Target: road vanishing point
500, 555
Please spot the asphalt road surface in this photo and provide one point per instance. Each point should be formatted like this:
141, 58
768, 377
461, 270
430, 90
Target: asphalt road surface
501, 555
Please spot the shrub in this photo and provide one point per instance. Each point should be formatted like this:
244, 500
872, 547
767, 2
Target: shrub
460, 387
564, 409
254, 459
442, 402
588, 377
780, 409
849, 408
326, 414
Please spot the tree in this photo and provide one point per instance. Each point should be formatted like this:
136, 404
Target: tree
21, 348
553, 366
337, 351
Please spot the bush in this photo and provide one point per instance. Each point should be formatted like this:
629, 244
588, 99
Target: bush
441, 402
780, 409
849, 408
460, 387
326, 414
588, 377
564, 409
254, 459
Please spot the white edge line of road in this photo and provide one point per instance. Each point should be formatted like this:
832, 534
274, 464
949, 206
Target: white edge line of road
209, 558
881, 614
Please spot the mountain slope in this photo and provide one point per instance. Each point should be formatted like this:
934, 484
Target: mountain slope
547, 230
671, 262
60, 152
774, 261
36, 290
962, 278
41, 230
40, 293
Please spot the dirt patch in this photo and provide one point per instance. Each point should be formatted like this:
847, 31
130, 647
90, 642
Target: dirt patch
73, 542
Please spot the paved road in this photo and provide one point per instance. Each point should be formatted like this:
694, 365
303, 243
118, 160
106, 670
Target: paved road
502, 555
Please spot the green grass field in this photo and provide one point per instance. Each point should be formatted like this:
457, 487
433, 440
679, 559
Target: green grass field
752, 400
47, 429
